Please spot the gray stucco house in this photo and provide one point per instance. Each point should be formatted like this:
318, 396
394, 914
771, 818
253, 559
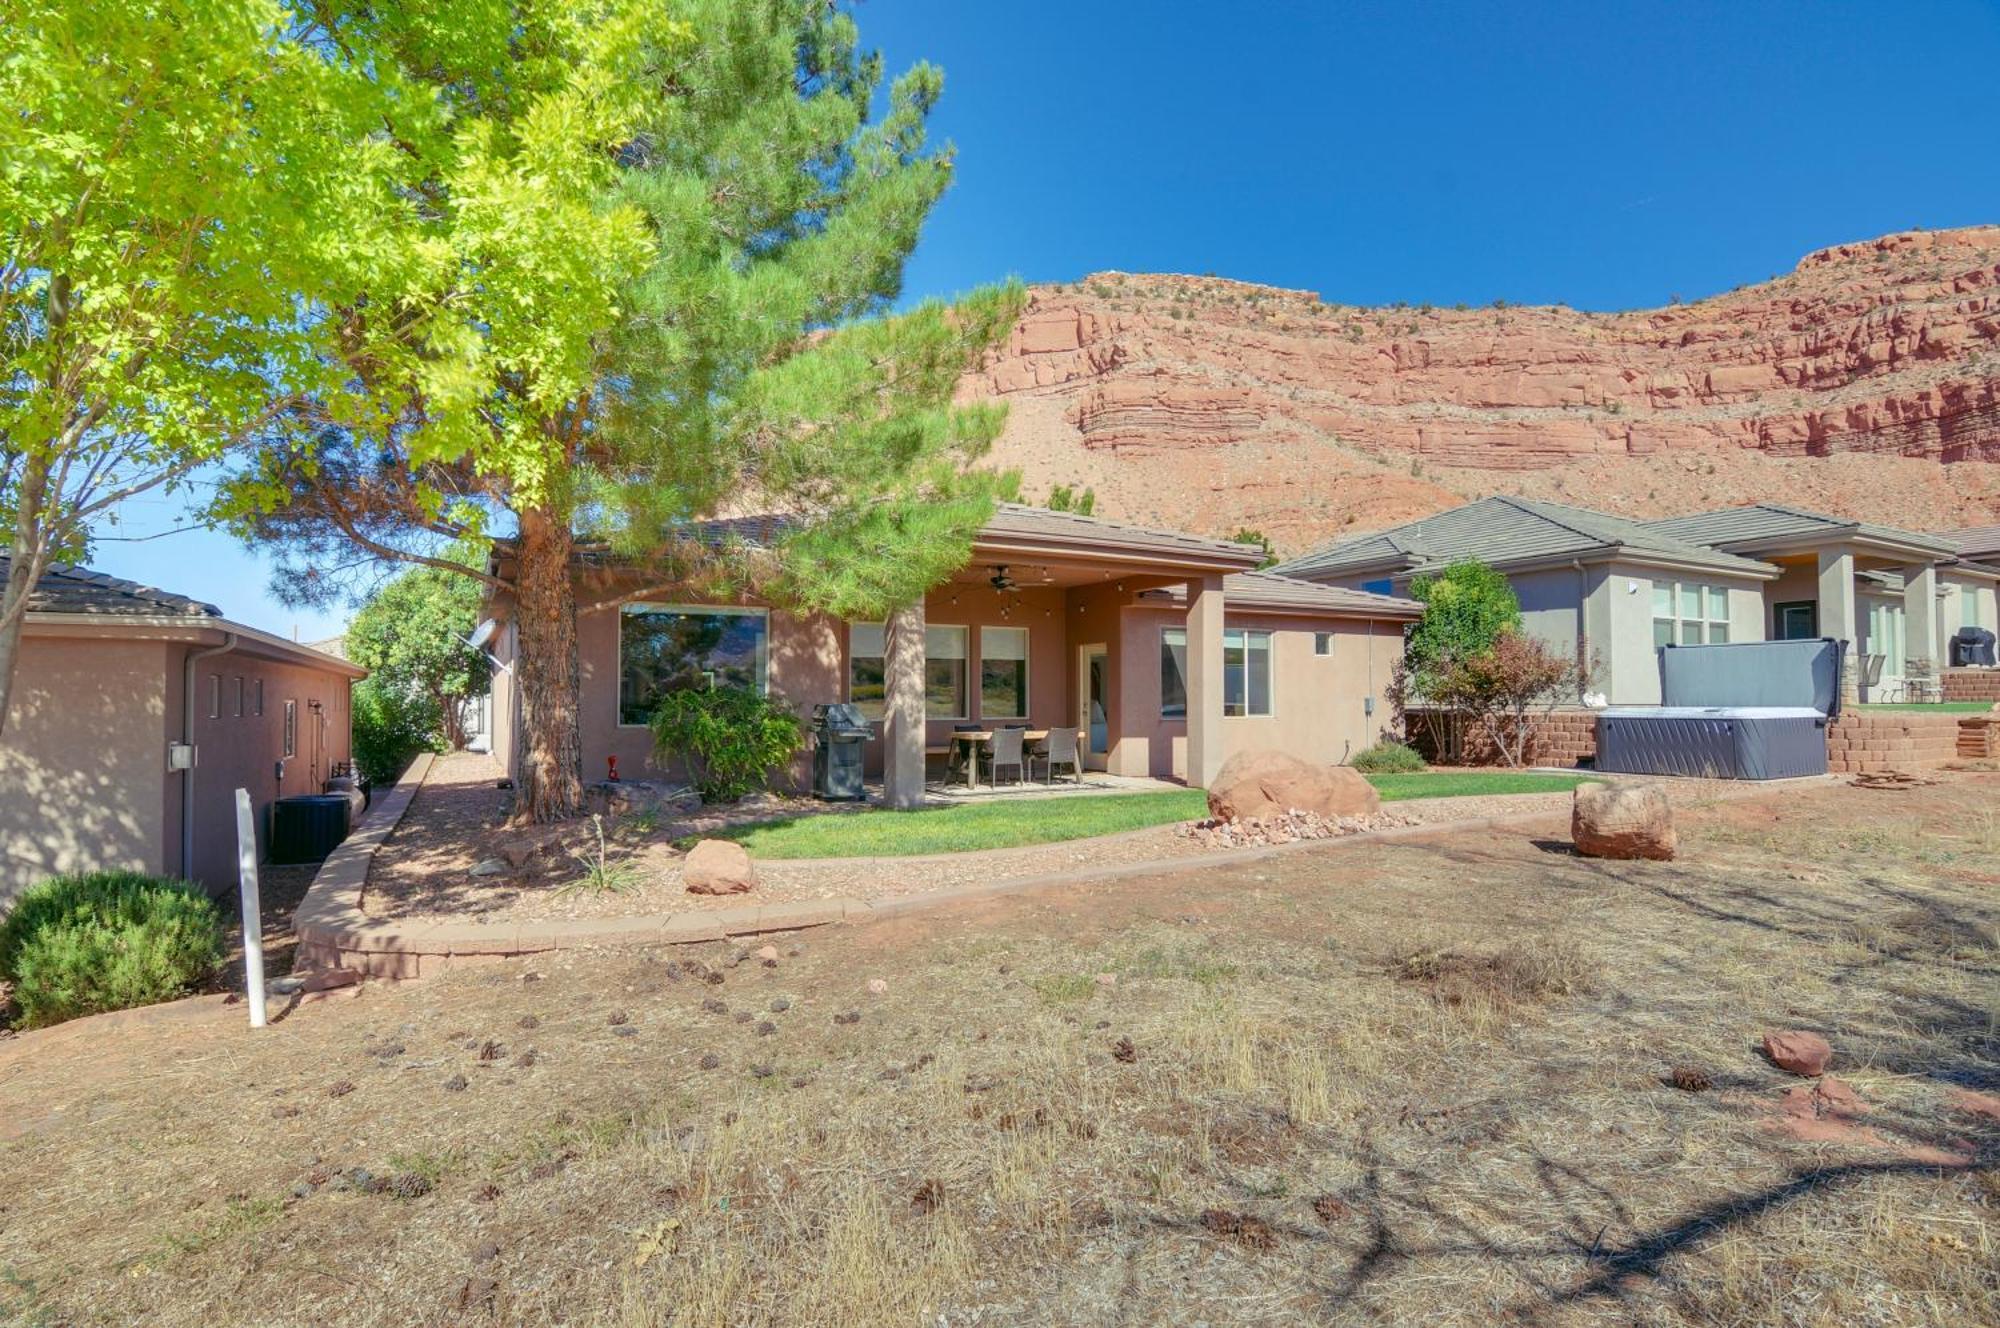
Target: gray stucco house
1618, 588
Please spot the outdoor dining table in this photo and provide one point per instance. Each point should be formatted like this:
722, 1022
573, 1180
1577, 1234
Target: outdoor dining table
974, 739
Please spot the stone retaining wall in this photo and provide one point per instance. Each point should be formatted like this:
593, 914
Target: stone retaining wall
1566, 738
1979, 737
1858, 740
1862, 740
1972, 685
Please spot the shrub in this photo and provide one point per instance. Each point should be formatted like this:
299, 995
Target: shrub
110, 940
391, 725
1510, 689
1390, 758
729, 738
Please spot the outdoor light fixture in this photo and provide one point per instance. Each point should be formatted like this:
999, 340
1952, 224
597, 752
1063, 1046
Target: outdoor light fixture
483, 633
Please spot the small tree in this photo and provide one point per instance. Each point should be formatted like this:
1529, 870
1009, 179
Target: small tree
1063, 498
1509, 690
411, 637
1467, 607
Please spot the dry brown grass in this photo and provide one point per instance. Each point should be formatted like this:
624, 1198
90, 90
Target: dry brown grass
1395, 1083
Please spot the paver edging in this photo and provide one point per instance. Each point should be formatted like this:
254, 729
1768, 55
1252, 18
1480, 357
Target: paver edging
334, 932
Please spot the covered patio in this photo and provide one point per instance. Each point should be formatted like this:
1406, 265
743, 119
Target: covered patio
1033, 634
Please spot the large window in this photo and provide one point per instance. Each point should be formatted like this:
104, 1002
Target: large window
1003, 673
1690, 614
944, 670
1246, 673
668, 647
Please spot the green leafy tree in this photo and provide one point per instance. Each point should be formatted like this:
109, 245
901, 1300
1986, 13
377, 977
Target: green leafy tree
181, 184
649, 253
1467, 607
391, 725
411, 636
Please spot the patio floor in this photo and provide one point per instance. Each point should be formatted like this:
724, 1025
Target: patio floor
1094, 782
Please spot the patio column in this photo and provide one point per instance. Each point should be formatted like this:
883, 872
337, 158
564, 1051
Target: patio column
1836, 614
1920, 613
903, 709
1204, 680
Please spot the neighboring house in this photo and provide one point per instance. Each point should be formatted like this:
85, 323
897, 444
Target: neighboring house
137, 714
1599, 586
1973, 579
1168, 652
1617, 589
1892, 592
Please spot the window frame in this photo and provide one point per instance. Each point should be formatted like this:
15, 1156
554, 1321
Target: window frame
1323, 645
1705, 623
763, 665
1026, 661
240, 712
964, 660
1243, 634
260, 698
215, 696
291, 729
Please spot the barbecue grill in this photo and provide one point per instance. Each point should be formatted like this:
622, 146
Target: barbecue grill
838, 730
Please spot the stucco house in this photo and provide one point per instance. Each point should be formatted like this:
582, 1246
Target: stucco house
1168, 652
136, 715
1618, 589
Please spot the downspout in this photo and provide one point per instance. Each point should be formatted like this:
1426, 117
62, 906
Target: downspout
229, 640
1583, 626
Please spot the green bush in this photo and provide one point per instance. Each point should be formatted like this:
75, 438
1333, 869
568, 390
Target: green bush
1390, 758
110, 940
729, 738
391, 725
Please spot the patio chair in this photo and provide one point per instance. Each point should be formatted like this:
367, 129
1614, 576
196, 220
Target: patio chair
1871, 675
1006, 748
1921, 681
957, 763
1060, 749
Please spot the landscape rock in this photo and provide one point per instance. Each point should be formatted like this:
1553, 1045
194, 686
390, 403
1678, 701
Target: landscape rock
718, 867
628, 797
878, 987
1259, 785
491, 867
329, 979
1798, 1051
1623, 821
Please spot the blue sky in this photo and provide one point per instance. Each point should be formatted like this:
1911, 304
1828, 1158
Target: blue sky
1601, 155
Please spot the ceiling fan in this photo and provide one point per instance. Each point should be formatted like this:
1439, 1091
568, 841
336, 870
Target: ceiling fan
1004, 581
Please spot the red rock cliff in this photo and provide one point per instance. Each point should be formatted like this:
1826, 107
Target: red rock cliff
1866, 382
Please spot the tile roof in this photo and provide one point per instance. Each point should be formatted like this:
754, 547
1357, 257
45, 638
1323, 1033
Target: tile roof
1269, 590
1977, 542
1776, 523
1017, 520
1502, 531
80, 590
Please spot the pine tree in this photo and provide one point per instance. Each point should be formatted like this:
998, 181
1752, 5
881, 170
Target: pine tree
645, 278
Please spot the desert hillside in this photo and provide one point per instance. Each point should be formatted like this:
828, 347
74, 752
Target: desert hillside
1866, 382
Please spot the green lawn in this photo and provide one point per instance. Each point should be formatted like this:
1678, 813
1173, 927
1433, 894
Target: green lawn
1935, 707
1012, 823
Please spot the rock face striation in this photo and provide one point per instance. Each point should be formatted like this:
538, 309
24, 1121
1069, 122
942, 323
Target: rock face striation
1856, 384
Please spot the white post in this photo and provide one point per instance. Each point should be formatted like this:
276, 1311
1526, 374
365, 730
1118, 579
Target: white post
253, 913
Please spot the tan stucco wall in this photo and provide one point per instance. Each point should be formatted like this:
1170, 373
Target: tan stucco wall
1632, 675
83, 761
1320, 700
1318, 706
245, 751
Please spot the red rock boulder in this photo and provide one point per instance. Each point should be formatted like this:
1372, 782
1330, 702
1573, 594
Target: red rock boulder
1798, 1051
718, 867
1253, 786
1622, 821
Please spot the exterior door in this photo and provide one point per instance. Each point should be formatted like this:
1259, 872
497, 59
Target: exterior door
1093, 692
1795, 621
1885, 638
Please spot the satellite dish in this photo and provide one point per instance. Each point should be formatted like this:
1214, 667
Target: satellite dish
482, 634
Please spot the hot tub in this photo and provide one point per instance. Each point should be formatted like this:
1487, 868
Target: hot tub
1758, 710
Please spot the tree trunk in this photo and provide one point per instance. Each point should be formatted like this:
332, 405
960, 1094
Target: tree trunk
451, 714
550, 780
23, 570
